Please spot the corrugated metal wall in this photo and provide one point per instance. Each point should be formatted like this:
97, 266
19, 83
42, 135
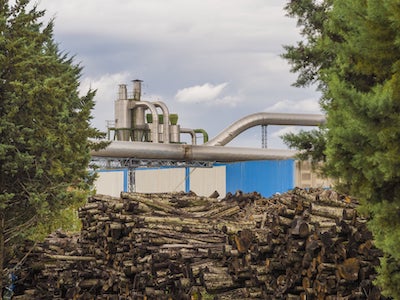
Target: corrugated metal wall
266, 177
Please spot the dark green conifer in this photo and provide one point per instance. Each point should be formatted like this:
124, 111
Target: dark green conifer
44, 128
360, 80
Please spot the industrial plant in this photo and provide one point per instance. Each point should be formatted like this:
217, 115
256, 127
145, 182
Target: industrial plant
146, 153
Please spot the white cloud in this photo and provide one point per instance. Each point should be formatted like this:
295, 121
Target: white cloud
230, 101
107, 90
172, 43
285, 130
170, 21
292, 106
205, 93
106, 85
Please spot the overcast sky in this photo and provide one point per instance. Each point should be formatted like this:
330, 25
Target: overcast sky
211, 61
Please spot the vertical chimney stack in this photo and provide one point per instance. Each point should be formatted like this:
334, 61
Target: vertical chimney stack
122, 93
137, 89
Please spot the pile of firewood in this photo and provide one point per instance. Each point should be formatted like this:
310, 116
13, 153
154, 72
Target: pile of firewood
298, 245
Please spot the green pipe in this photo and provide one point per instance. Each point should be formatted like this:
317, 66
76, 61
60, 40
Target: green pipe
205, 134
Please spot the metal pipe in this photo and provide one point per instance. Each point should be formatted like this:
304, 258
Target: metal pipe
154, 125
165, 111
183, 152
204, 133
192, 133
264, 118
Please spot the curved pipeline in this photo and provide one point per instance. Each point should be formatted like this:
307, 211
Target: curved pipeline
154, 131
205, 134
183, 152
191, 132
257, 119
165, 111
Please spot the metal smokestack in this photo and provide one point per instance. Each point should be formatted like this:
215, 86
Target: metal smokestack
122, 115
138, 113
122, 92
137, 89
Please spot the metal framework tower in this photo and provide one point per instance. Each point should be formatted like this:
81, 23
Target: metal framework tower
264, 136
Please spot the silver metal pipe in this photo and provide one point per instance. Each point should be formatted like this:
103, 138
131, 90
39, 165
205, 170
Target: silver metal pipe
192, 133
154, 125
183, 152
264, 118
165, 111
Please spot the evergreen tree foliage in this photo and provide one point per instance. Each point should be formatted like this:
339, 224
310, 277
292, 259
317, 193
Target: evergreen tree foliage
361, 96
312, 143
44, 126
308, 56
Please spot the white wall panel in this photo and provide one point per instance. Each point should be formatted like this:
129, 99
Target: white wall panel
204, 181
111, 182
160, 180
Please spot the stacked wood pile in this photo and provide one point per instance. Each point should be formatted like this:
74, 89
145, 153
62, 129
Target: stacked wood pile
299, 245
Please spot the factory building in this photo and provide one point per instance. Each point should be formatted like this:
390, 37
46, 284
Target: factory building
141, 133
266, 177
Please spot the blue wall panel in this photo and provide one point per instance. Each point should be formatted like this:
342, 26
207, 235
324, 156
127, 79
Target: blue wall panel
266, 177
187, 179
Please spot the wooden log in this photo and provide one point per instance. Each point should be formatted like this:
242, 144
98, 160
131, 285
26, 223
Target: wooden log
216, 208
331, 212
275, 265
349, 269
349, 214
70, 258
226, 212
217, 282
153, 203
300, 228
90, 283
114, 230
332, 198
244, 240
286, 222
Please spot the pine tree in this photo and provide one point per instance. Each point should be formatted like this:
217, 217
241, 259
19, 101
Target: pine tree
312, 143
309, 55
361, 97
44, 128
364, 133
308, 58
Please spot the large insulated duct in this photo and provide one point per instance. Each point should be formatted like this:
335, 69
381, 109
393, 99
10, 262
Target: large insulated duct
208, 151
183, 152
264, 118
123, 121
138, 119
165, 126
154, 126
